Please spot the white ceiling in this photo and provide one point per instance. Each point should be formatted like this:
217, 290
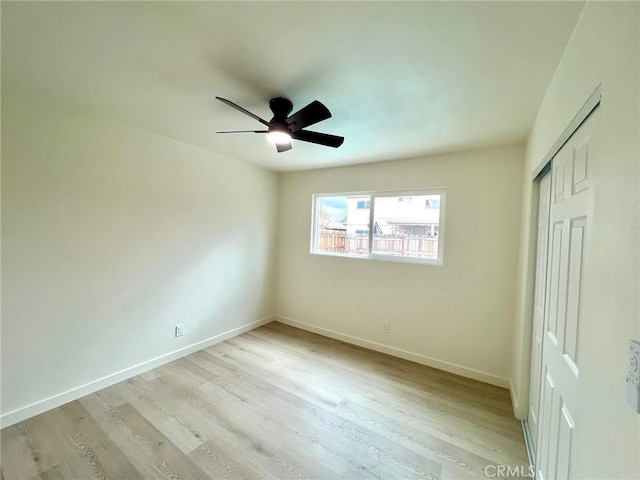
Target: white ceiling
401, 79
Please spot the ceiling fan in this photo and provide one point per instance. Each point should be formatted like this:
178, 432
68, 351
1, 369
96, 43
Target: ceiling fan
284, 127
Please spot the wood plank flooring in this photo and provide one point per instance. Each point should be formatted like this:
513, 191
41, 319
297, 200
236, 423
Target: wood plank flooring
276, 402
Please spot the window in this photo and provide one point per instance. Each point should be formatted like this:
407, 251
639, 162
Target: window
403, 226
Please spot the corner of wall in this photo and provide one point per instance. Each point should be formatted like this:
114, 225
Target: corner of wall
41, 406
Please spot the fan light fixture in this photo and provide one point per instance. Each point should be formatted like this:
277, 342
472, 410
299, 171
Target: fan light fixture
278, 137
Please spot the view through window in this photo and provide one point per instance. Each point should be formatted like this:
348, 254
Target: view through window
402, 226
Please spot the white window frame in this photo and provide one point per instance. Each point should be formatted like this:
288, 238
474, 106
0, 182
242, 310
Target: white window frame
373, 194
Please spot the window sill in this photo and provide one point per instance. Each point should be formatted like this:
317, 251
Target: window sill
383, 258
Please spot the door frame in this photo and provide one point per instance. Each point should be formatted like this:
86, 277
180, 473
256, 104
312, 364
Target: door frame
589, 106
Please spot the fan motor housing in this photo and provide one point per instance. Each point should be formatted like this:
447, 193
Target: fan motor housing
281, 108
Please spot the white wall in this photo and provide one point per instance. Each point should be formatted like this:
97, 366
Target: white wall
459, 316
111, 236
604, 49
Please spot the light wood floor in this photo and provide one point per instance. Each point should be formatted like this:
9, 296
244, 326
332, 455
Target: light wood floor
276, 402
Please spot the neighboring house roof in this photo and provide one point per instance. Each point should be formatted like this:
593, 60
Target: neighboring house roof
333, 225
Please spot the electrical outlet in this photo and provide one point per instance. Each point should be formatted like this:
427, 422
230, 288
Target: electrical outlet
180, 330
385, 328
633, 377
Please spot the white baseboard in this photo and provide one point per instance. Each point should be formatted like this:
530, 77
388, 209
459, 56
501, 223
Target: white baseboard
398, 352
20, 414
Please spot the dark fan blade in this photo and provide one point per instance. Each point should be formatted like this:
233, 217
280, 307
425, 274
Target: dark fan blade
313, 113
246, 112
246, 131
283, 147
320, 138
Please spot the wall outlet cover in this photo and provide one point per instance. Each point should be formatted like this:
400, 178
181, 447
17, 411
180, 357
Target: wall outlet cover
180, 330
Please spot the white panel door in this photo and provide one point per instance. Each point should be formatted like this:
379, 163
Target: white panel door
560, 367
544, 207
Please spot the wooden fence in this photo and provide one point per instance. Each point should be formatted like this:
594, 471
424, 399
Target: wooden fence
331, 241
415, 246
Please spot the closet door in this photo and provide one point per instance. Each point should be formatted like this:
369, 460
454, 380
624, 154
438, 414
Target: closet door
560, 366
